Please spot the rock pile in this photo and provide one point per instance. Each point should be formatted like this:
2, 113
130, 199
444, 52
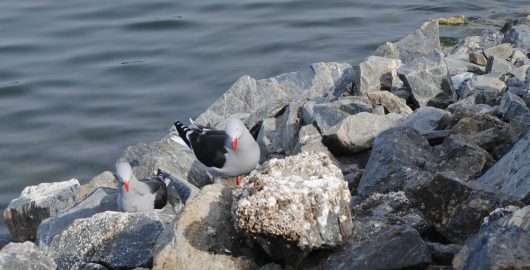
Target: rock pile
418, 157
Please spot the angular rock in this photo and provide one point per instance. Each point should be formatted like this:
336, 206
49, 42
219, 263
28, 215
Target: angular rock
459, 81
100, 200
115, 239
24, 256
36, 203
376, 73
326, 115
519, 36
357, 132
485, 84
426, 119
310, 140
511, 106
278, 135
443, 254
104, 179
294, 205
168, 155
456, 65
503, 51
503, 244
259, 99
519, 58
499, 67
478, 58
398, 247
471, 105
389, 101
95, 266
203, 236
511, 174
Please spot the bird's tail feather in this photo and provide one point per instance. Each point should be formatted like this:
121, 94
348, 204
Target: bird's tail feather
183, 132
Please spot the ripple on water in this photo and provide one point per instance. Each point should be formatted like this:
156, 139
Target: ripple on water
161, 24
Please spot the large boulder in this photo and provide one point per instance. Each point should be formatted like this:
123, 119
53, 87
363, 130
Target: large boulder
114, 239
260, 99
37, 203
519, 36
327, 114
357, 132
501, 244
100, 200
24, 256
376, 73
168, 155
203, 237
294, 205
512, 106
511, 174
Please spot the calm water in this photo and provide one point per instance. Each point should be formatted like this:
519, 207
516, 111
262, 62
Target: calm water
81, 80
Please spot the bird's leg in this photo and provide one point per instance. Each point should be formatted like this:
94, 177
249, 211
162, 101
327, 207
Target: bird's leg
238, 180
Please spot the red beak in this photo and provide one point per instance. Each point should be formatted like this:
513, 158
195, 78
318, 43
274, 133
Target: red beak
126, 185
234, 144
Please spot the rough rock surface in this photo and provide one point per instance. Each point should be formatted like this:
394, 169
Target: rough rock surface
104, 179
426, 119
203, 236
100, 200
260, 99
389, 101
326, 115
357, 132
36, 203
294, 205
115, 239
168, 155
24, 256
502, 244
310, 140
511, 174
376, 73
278, 135
512, 106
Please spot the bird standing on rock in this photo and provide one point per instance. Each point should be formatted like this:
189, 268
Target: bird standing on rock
140, 195
231, 152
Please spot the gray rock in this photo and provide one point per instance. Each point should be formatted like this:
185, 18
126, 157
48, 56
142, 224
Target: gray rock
499, 67
443, 254
294, 205
204, 237
376, 73
259, 99
115, 239
503, 244
326, 115
471, 105
279, 135
503, 51
36, 203
95, 266
519, 58
511, 106
390, 102
487, 86
104, 179
100, 200
168, 155
357, 132
478, 58
455, 208
456, 65
398, 247
426, 119
510, 175
310, 140
519, 36
24, 256
459, 81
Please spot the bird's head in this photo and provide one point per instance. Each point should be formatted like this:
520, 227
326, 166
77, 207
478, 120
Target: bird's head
234, 129
124, 173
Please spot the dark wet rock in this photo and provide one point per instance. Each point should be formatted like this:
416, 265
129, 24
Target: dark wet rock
426, 119
100, 200
443, 253
260, 99
503, 51
310, 140
503, 244
519, 36
326, 115
390, 102
512, 105
352, 175
376, 73
36, 203
168, 155
24, 256
397, 247
294, 205
357, 132
104, 179
401, 159
278, 135
455, 208
510, 174
204, 236
114, 239
478, 58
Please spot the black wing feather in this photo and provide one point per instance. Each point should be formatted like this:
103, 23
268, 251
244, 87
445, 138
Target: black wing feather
157, 187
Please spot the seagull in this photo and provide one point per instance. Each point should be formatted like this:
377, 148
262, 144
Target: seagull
226, 153
140, 195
